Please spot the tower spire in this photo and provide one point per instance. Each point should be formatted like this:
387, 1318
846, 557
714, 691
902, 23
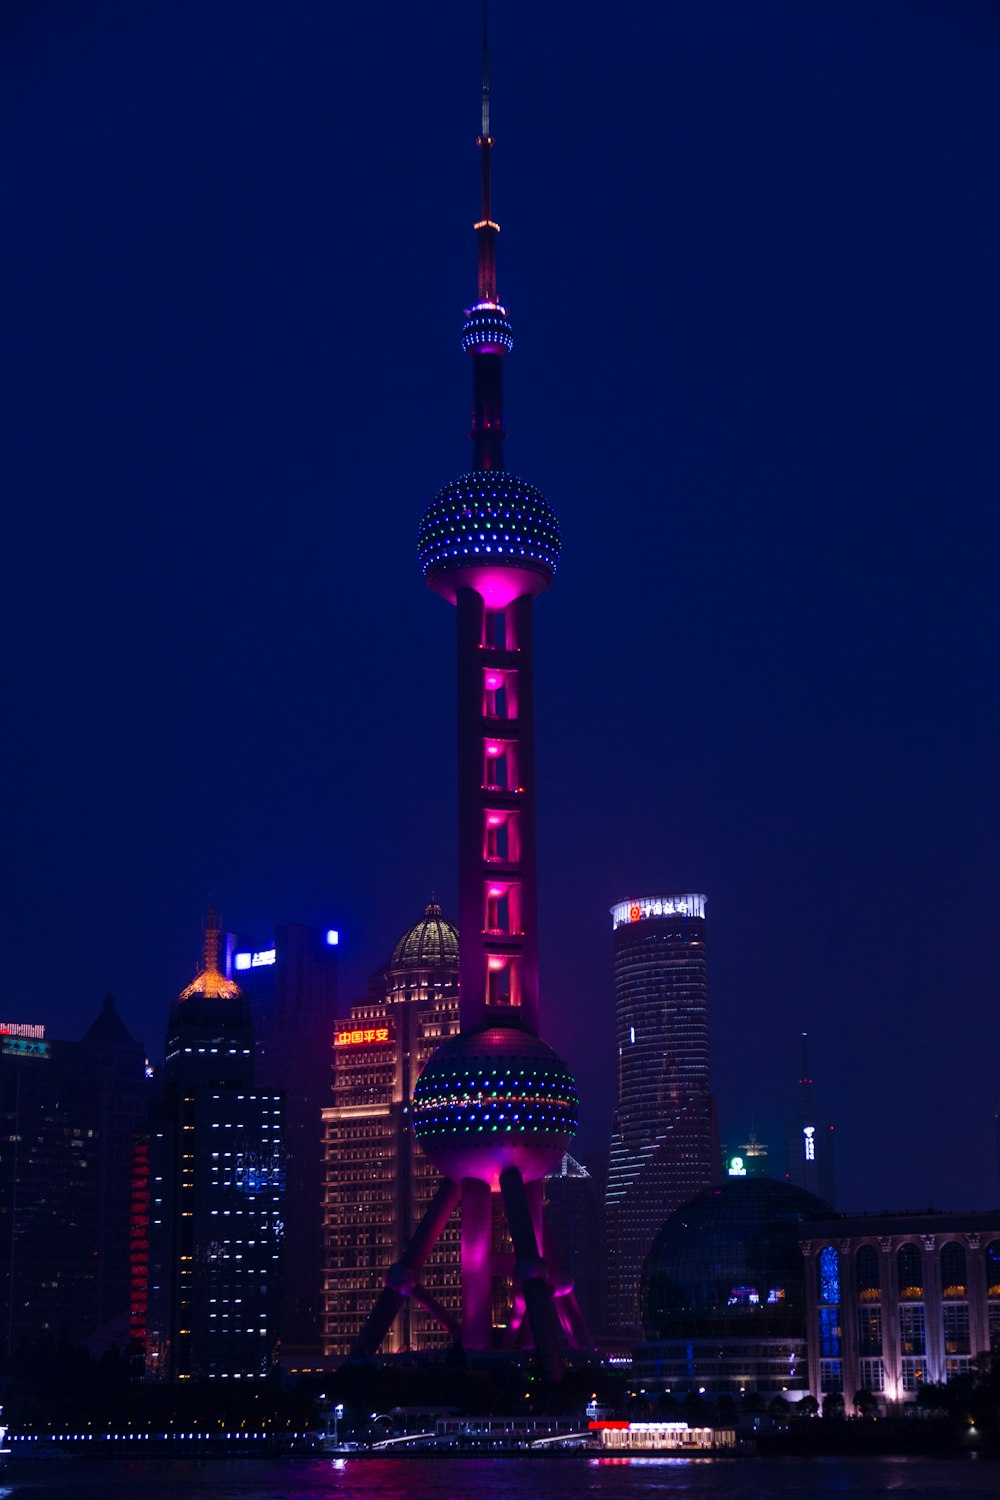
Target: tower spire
209, 981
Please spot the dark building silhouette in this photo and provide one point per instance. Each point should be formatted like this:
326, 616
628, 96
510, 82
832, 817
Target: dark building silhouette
208, 1195
809, 1139
292, 986
67, 1114
573, 1234
664, 1142
378, 1182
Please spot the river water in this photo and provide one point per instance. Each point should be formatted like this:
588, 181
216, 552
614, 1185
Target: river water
535, 1478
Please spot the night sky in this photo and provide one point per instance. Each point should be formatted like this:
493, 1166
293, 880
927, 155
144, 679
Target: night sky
750, 255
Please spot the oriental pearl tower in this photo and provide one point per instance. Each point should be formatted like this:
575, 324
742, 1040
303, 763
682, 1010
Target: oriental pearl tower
495, 1108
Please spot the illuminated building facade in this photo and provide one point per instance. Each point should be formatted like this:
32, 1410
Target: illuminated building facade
208, 1195
664, 1141
494, 1108
67, 1114
378, 1183
291, 983
897, 1300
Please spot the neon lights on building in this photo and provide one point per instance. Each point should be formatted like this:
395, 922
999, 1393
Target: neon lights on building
17, 1046
332, 937
641, 907
809, 1142
362, 1036
22, 1028
260, 960
736, 1167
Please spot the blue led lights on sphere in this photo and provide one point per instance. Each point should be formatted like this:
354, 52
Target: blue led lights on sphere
487, 332
492, 1086
488, 517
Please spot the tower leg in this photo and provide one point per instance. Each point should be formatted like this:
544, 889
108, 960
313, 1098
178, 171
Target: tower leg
531, 1274
401, 1278
477, 1264
568, 1308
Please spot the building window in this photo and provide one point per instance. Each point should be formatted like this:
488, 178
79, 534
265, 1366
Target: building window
872, 1375
829, 1332
870, 1329
953, 1282
830, 1376
829, 1275
912, 1338
955, 1323
995, 1327
914, 1373
993, 1269
954, 1367
866, 1270
911, 1276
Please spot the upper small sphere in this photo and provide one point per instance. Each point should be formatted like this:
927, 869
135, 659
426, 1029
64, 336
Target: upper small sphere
494, 1098
485, 522
487, 330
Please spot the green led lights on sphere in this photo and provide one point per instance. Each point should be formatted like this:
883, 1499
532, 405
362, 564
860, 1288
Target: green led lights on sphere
492, 1099
489, 519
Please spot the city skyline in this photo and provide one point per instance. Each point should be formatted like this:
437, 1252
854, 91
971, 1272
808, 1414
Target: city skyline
760, 335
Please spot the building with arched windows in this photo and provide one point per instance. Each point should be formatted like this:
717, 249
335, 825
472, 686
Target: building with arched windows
899, 1299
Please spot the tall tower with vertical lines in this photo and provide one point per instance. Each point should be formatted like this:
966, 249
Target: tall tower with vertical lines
494, 1108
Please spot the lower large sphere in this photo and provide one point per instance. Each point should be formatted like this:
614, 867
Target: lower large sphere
495, 1098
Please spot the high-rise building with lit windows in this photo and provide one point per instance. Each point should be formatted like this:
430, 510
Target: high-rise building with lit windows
664, 1141
378, 1183
208, 1195
290, 980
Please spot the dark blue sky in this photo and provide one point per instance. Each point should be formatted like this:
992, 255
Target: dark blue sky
750, 254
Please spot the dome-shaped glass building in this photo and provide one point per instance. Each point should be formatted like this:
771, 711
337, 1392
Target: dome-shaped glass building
724, 1292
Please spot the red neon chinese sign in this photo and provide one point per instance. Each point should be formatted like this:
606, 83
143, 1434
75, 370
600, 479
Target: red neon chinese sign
361, 1036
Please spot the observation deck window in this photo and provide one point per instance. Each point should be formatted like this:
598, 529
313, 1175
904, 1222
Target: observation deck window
502, 837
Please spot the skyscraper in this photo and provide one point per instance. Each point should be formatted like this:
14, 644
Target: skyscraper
494, 1108
67, 1113
208, 1194
378, 1183
291, 982
664, 1146
809, 1139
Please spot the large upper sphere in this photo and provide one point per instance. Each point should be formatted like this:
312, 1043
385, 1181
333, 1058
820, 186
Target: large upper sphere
495, 1098
492, 532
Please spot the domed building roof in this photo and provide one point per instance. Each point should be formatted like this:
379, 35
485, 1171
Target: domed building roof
432, 943
728, 1263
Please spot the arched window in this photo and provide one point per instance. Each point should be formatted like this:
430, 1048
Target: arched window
911, 1275
829, 1275
953, 1279
866, 1269
993, 1269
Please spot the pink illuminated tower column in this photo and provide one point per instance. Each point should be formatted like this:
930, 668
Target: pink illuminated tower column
495, 1108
